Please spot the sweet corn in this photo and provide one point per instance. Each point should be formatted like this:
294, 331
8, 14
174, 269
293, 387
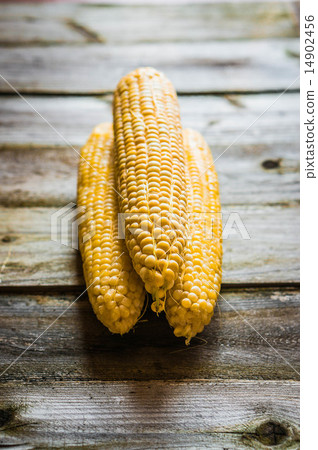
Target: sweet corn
190, 303
149, 158
114, 289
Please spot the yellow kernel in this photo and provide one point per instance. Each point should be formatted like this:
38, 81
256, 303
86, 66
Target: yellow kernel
202, 304
157, 233
177, 294
187, 286
162, 264
186, 303
144, 273
195, 307
122, 289
196, 290
163, 245
148, 249
113, 281
169, 274
159, 253
96, 290
146, 241
188, 277
169, 284
111, 304
127, 302
192, 297
149, 287
209, 307
173, 266
150, 261
115, 314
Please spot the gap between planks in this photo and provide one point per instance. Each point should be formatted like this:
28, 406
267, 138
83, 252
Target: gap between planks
101, 95
78, 289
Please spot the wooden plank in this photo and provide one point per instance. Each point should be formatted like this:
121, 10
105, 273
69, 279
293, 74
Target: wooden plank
209, 414
196, 67
30, 30
45, 24
220, 119
30, 258
78, 347
195, 22
266, 155
49, 177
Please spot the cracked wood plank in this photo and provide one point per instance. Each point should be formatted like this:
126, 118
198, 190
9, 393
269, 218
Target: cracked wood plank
78, 347
212, 414
47, 24
260, 168
196, 67
271, 255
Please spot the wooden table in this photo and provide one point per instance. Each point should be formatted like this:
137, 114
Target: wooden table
77, 386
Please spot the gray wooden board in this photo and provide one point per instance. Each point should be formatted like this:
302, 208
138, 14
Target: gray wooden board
47, 24
30, 258
165, 413
245, 177
236, 386
220, 119
49, 176
253, 335
196, 67
30, 30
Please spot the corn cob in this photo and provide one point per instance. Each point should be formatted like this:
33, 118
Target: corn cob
151, 177
190, 303
114, 289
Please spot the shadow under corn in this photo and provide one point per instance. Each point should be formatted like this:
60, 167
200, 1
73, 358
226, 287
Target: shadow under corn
148, 352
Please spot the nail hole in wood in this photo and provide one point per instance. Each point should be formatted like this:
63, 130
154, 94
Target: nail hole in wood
6, 415
271, 163
272, 433
8, 238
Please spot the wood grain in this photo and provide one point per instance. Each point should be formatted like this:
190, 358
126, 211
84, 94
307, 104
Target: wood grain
78, 386
30, 258
221, 119
249, 174
125, 414
30, 30
44, 24
216, 67
78, 347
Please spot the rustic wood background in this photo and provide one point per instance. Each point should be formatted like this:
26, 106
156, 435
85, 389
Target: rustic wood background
237, 385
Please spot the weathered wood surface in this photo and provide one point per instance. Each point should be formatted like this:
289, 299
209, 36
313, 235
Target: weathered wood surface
30, 30
79, 348
44, 24
49, 176
163, 413
221, 119
261, 167
193, 67
30, 258
236, 386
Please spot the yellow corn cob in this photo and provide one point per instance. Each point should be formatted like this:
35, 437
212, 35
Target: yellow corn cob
190, 303
151, 177
114, 289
